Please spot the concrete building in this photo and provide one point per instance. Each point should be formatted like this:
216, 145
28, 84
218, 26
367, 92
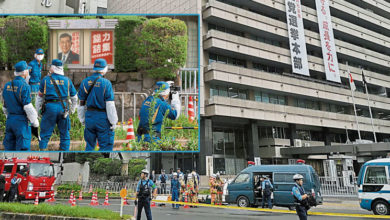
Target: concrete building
53, 7
253, 106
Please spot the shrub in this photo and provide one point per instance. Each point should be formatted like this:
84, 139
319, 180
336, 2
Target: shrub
135, 167
162, 47
125, 42
107, 166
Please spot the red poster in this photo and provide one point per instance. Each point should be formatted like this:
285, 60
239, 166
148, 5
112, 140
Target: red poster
101, 46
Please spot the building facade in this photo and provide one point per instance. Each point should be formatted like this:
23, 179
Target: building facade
252, 104
53, 7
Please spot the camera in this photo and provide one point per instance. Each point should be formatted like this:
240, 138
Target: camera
173, 90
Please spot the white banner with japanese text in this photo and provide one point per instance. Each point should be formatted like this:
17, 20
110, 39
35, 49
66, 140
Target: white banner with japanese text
297, 37
327, 41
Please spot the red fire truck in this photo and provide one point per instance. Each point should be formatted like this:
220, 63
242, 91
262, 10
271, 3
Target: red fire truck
36, 174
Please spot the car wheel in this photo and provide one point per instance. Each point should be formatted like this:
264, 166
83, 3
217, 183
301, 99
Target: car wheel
380, 207
41, 200
242, 201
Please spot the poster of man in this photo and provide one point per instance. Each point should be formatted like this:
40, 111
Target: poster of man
69, 47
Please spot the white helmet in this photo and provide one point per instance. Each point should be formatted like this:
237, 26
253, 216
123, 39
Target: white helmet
174, 174
181, 176
213, 175
298, 177
218, 174
145, 171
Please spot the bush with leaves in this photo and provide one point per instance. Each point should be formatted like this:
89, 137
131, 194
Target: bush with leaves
125, 42
162, 47
107, 166
135, 168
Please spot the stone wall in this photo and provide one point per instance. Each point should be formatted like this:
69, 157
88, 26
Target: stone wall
133, 82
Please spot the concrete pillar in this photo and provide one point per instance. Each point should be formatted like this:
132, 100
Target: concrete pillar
327, 136
253, 141
293, 133
206, 143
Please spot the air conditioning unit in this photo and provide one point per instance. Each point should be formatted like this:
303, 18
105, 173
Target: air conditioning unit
297, 143
306, 144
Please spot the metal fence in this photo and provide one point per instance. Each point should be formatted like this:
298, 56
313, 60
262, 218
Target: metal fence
338, 187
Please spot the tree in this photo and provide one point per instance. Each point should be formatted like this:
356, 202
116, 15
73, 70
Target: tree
135, 167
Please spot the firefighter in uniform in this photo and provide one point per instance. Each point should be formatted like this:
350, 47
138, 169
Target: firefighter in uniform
19, 110
55, 91
145, 190
182, 187
220, 184
213, 188
300, 197
191, 188
161, 107
36, 69
97, 108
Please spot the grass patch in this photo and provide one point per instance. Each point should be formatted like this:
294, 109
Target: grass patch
61, 210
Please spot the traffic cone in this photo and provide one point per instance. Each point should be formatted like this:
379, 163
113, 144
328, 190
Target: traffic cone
90, 189
191, 112
153, 204
71, 198
94, 199
36, 202
97, 146
74, 202
186, 201
80, 195
130, 133
52, 199
106, 200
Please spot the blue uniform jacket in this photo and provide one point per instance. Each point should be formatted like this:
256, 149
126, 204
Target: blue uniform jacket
175, 186
161, 107
36, 69
64, 85
100, 94
264, 182
298, 192
22, 93
150, 184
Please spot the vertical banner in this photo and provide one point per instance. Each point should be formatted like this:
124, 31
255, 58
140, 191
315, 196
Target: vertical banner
296, 37
101, 46
327, 41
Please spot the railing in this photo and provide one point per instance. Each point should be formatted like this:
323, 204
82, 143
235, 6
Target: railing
338, 187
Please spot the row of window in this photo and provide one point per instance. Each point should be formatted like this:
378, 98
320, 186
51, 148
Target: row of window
226, 60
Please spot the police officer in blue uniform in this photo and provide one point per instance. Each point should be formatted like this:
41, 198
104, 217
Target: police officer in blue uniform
19, 110
97, 108
161, 107
175, 189
36, 69
145, 190
300, 197
55, 91
266, 187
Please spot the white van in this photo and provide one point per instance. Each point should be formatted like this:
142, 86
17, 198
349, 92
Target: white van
374, 186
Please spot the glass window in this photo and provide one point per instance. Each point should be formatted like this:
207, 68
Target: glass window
264, 97
222, 91
273, 99
282, 100
222, 59
233, 93
286, 177
242, 94
218, 141
8, 168
257, 96
375, 175
242, 178
213, 92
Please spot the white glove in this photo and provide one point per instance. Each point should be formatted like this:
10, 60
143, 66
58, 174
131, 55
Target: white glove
111, 112
81, 113
5, 112
38, 102
32, 114
113, 127
73, 104
176, 104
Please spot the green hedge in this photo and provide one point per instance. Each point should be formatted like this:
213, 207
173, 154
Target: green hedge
61, 210
107, 167
125, 42
162, 47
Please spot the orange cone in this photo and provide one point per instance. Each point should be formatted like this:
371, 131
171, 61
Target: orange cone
52, 199
74, 202
106, 203
97, 146
191, 112
80, 195
130, 133
71, 198
36, 202
153, 204
94, 201
90, 189
185, 201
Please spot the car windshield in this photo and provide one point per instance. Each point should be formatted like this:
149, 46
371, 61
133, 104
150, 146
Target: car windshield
41, 169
